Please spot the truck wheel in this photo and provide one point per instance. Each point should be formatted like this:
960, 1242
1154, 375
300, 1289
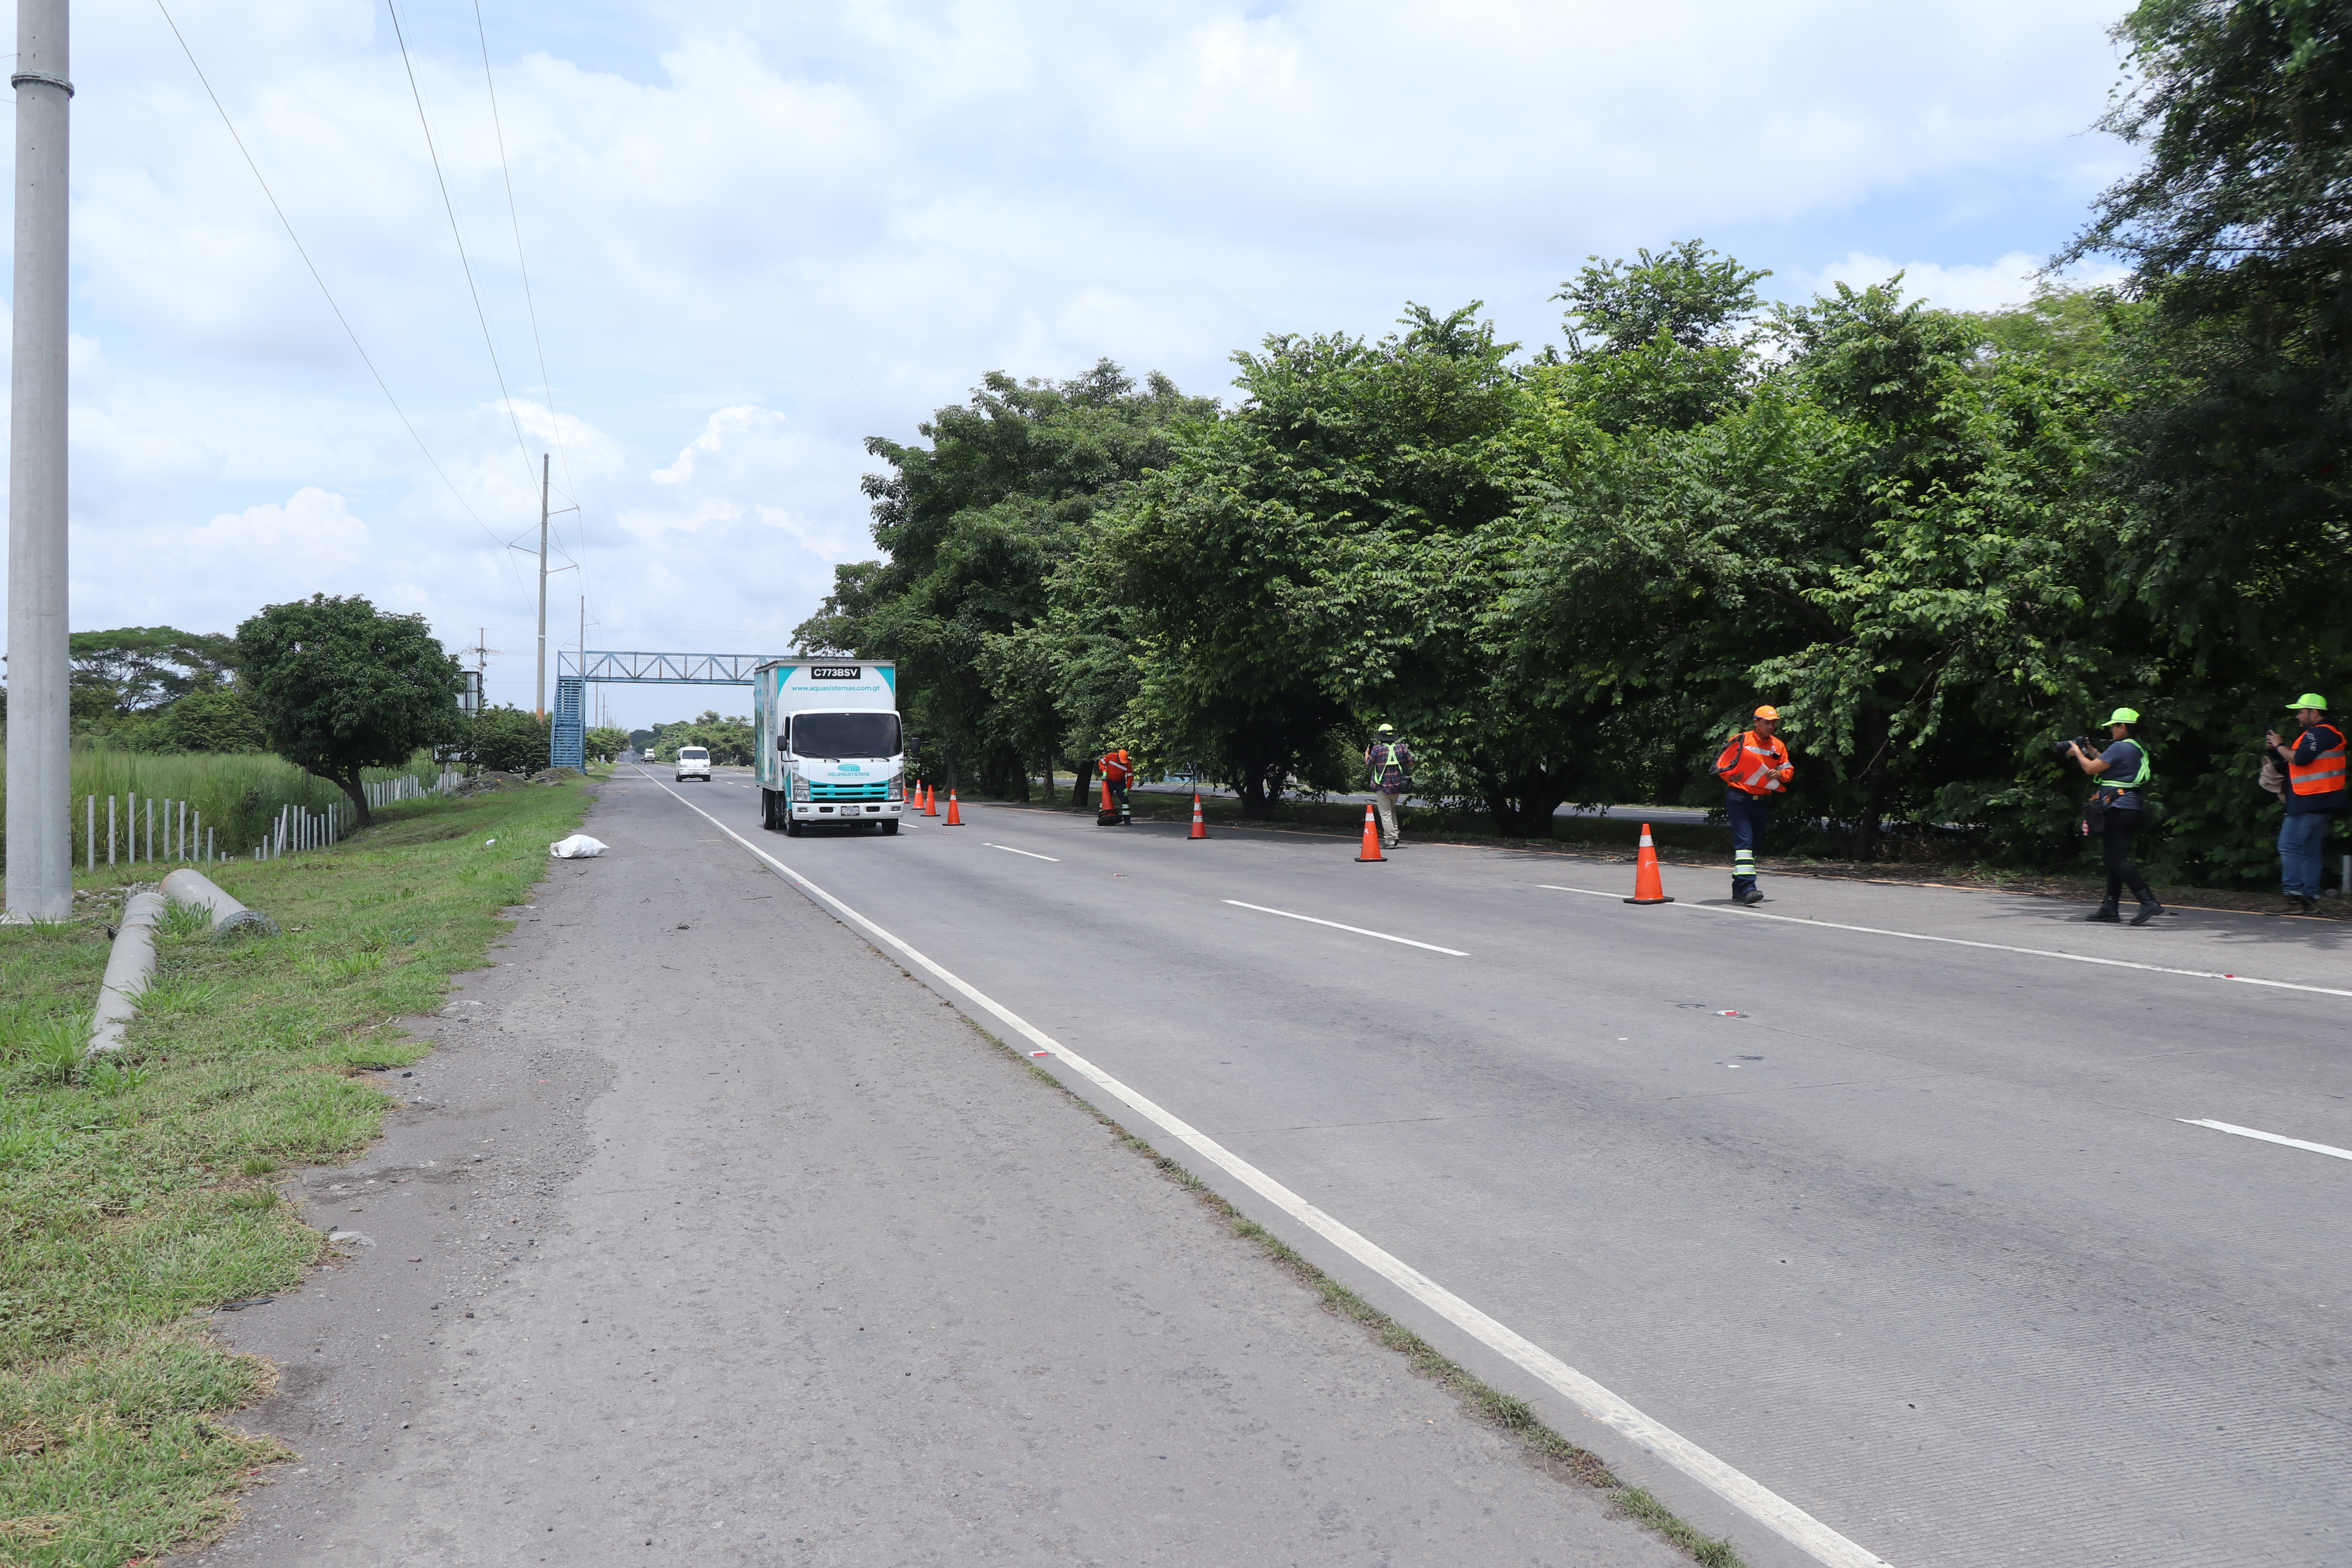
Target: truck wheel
890, 829
792, 827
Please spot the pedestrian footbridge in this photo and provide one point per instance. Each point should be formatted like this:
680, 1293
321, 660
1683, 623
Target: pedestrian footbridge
567, 740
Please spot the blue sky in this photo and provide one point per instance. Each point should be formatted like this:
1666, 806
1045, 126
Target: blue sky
758, 233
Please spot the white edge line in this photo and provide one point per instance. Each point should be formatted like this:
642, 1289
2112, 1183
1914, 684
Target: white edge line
1335, 925
1988, 946
2266, 1137
1751, 1496
1031, 853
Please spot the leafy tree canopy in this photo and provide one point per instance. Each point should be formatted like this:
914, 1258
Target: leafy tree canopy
137, 668
341, 686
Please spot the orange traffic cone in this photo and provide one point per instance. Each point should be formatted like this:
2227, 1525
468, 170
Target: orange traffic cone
1105, 800
1371, 849
1200, 828
953, 819
930, 800
1647, 886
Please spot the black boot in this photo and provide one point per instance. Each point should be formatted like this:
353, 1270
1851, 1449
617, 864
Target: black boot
2105, 912
2148, 910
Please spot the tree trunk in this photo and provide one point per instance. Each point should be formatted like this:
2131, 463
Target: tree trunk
1049, 776
1252, 793
352, 786
1874, 783
1083, 791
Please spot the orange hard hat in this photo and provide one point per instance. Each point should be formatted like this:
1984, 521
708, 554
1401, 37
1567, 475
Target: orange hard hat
1768, 711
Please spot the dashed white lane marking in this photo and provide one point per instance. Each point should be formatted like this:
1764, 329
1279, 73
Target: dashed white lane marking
1988, 946
2266, 1137
1751, 1496
1010, 850
1335, 925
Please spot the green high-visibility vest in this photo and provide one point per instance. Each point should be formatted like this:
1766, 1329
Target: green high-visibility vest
2146, 772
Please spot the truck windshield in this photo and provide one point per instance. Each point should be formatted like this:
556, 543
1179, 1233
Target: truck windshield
837, 735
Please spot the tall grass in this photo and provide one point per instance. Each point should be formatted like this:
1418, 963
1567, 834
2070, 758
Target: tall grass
239, 795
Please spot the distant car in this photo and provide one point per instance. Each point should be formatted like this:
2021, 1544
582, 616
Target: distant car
693, 763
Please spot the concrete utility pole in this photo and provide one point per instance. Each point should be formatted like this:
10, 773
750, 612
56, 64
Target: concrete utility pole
540, 703
40, 781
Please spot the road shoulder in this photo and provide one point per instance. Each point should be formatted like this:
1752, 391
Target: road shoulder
771, 1256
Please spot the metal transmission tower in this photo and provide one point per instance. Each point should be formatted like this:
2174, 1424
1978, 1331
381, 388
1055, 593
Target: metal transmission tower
40, 827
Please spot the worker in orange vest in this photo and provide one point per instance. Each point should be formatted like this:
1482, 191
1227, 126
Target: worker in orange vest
1754, 767
2316, 797
1118, 773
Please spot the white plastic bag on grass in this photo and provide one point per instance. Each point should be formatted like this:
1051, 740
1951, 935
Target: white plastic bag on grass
578, 847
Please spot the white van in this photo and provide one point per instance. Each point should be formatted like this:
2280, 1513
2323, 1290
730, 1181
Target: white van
694, 763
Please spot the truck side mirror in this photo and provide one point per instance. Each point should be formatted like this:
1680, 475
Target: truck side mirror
779, 744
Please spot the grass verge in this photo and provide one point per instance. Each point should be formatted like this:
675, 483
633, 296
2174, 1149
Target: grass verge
1479, 1400
138, 1194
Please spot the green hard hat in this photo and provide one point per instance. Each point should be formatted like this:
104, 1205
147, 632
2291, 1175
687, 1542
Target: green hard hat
2310, 700
2122, 716
1387, 730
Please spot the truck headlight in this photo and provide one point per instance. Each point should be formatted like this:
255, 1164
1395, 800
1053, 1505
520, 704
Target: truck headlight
800, 787
897, 787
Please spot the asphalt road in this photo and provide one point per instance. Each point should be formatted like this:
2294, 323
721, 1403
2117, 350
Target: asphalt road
708, 1235
1685, 813
1921, 1237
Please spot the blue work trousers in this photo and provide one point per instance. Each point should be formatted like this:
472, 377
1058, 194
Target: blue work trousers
1748, 814
2299, 858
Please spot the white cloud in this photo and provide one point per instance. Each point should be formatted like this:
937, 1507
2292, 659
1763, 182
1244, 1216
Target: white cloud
760, 233
309, 544
2010, 280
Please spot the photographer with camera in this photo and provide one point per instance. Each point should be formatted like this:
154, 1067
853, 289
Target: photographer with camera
2123, 770
2314, 797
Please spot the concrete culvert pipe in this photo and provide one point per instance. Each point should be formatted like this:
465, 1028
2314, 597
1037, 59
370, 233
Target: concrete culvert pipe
129, 967
187, 885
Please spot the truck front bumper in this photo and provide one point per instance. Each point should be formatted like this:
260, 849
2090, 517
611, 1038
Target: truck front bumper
845, 810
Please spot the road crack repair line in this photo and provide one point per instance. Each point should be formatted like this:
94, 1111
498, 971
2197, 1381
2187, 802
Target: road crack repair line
1749, 1496
1964, 941
2266, 1137
1360, 931
1008, 849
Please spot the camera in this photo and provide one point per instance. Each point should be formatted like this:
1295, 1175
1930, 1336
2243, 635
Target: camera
2060, 748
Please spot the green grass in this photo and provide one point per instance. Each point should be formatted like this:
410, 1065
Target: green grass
135, 1193
239, 795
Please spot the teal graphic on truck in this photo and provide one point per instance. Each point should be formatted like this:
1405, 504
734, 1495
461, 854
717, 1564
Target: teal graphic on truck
827, 745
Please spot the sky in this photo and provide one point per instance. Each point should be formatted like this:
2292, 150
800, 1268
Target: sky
755, 235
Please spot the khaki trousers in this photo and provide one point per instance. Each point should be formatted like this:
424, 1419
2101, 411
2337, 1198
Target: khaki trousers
1385, 803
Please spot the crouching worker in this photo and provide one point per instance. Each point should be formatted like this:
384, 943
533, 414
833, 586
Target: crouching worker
1118, 773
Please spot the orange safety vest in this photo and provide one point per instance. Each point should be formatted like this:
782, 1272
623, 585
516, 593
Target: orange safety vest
2324, 774
1754, 764
1115, 768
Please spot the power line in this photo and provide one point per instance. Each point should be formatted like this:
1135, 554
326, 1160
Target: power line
530, 304
450, 207
304, 252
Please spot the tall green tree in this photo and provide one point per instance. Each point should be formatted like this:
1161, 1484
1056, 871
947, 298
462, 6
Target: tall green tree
2231, 448
1307, 563
341, 686
972, 527
137, 668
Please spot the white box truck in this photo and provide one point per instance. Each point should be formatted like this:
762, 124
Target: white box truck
825, 734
